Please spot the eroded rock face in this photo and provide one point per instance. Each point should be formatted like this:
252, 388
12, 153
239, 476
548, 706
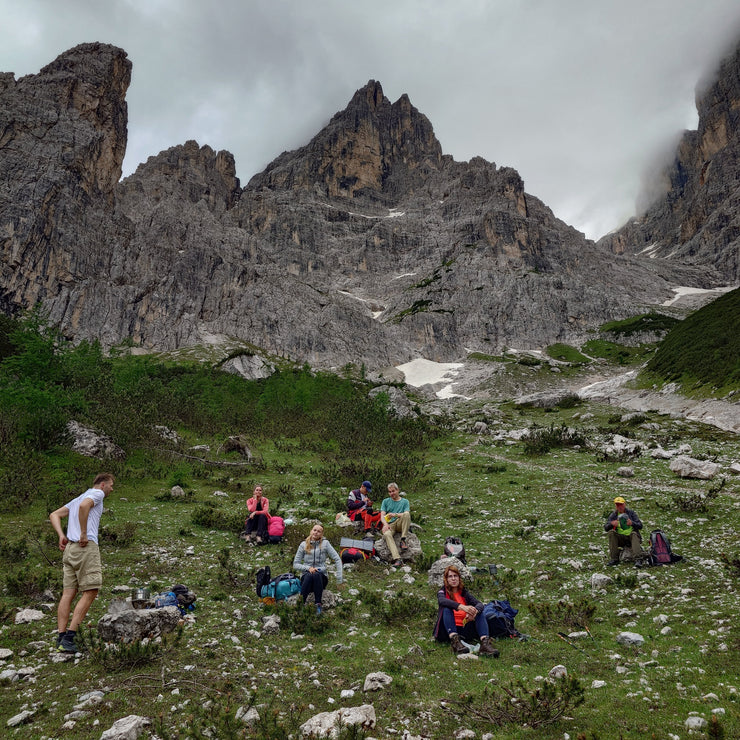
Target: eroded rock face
368, 245
695, 220
62, 142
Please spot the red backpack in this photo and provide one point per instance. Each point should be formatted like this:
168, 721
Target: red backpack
660, 549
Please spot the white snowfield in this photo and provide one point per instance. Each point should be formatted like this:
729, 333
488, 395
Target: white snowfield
427, 372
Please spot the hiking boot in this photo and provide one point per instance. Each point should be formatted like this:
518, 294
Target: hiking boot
486, 648
456, 644
404, 544
59, 637
318, 610
397, 563
67, 645
613, 562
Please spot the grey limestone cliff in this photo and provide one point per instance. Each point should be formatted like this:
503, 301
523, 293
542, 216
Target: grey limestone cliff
696, 219
366, 245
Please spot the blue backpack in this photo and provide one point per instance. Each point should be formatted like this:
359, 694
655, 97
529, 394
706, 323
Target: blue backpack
500, 617
281, 587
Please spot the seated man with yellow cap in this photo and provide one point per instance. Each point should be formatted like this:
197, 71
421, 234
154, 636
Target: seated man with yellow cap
623, 526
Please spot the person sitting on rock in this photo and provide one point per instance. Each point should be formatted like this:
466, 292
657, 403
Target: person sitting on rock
311, 560
395, 517
460, 614
259, 516
360, 506
623, 526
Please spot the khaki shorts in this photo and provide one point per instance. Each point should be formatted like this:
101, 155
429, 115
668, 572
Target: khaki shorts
82, 567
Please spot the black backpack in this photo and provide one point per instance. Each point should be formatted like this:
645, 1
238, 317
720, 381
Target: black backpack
454, 548
262, 578
660, 549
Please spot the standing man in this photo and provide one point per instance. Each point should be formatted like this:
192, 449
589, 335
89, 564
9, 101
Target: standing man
395, 517
623, 526
82, 568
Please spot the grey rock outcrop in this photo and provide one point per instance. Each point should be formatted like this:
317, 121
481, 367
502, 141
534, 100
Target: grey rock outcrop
398, 401
413, 552
90, 443
438, 567
688, 467
328, 724
126, 728
123, 623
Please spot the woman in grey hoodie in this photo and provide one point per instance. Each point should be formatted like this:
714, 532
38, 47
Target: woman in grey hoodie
311, 559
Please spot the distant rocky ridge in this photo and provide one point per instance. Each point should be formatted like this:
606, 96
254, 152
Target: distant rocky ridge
368, 245
697, 218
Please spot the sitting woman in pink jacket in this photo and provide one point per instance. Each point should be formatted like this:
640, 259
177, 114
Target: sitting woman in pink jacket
259, 516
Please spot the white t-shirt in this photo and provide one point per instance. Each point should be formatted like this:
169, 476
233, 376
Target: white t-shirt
93, 517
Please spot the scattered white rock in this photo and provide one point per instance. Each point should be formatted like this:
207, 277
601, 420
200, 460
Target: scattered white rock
326, 724
688, 467
20, 719
558, 671
249, 717
376, 681
126, 728
599, 580
596, 684
695, 723
630, 638
25, 616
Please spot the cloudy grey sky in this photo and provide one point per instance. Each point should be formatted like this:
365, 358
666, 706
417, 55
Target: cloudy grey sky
582, 97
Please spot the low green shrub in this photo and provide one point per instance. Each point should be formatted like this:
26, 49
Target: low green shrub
517, 704
212, 516
570, 614
123, 656
540, 440
30, 582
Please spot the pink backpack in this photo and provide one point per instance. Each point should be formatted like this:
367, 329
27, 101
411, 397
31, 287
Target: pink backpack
276, 526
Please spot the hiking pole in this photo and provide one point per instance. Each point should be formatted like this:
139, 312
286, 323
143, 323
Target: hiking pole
588, 632
565, 638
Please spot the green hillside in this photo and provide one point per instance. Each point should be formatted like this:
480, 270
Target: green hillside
532, 504
702, 352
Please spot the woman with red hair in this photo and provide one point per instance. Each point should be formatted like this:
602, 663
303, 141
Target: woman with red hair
460, 614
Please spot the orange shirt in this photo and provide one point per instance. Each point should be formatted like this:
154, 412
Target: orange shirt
460, 615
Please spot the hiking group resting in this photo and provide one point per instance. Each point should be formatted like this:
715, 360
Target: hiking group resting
461, 618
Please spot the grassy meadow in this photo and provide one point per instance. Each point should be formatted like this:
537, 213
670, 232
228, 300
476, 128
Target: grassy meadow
532, 503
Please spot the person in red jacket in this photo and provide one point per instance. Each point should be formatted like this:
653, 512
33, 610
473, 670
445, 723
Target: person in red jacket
360, 506
258, 518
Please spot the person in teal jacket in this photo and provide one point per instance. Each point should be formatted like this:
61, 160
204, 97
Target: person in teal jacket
395, 516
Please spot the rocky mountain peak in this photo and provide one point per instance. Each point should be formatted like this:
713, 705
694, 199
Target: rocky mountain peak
369, 150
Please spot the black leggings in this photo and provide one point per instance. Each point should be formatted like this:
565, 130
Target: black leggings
315, 582
258, 522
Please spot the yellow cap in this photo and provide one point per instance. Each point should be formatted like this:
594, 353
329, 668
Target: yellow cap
619, 500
